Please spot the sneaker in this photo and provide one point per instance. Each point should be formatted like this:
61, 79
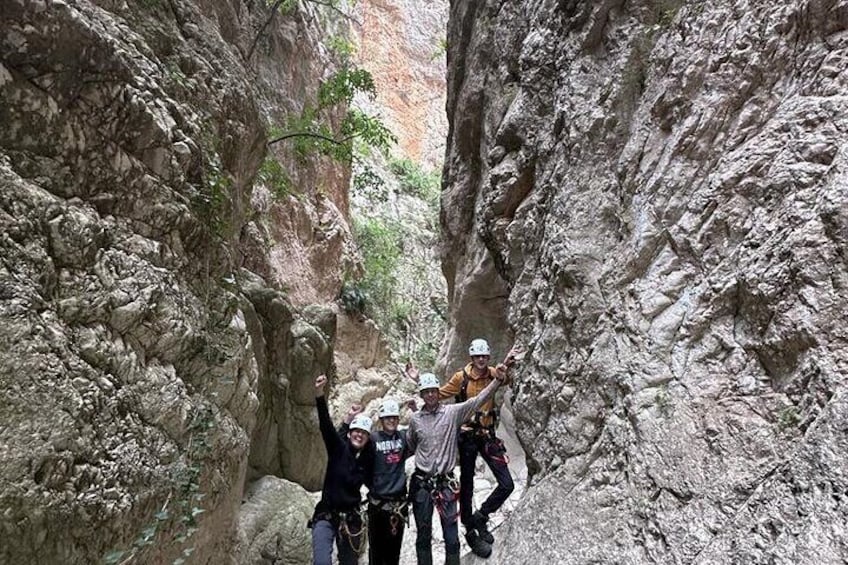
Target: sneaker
478, 522
478, 547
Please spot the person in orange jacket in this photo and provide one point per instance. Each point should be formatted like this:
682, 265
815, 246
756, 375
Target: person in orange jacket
477, 437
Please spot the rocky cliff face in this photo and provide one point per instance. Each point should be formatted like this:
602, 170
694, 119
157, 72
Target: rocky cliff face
652, 196
138, 354
402, 44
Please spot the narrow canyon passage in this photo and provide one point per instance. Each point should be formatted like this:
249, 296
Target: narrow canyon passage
205, 204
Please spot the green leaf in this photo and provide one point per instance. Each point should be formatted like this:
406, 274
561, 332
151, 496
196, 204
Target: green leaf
344, 85
272, 174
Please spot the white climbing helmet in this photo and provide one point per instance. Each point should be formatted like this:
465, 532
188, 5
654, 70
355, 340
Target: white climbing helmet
389, 408
427, 381
479, 347
361, 422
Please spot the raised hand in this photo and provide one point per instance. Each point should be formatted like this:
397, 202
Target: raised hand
320, 382
411, 372
411, 404
515, 354
352, 412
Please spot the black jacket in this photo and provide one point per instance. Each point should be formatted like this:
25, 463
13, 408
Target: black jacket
347, 470
390, 451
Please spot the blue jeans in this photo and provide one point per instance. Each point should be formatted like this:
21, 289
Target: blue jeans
422, 508
323, 535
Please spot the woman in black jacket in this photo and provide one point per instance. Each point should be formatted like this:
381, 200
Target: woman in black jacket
387, 499
350, 464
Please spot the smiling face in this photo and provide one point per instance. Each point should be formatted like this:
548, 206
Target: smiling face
390, 423
358, 438
430, 397
480, 362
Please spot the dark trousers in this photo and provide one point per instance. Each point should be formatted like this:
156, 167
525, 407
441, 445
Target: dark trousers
385, 534
422, 508
492, 451
324, 533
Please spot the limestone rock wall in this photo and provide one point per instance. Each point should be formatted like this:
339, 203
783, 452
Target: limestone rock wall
272, 524
139, 350
299, 242
402, 44
652, 196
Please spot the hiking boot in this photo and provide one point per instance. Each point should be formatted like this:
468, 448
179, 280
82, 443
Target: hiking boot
478, 547
478, 522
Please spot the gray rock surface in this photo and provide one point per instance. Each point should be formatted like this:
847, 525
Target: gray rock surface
272, 524
127, 392
135, 353
289, 352
652, 196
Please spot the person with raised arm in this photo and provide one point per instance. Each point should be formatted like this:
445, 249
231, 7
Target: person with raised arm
432, 437
350, 464
388, 507
477, 437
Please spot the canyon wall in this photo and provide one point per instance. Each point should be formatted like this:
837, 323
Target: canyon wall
652, 196
154, 348
402, 44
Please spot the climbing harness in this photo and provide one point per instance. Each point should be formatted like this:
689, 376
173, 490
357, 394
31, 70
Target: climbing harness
398, 511
496, 450
443, 489
486, 443
483, 436
352, 525
354, 519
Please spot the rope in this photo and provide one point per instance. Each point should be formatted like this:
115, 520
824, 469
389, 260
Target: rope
396, 509
362, 534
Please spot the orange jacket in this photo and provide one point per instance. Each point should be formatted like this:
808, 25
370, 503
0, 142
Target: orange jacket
476, 384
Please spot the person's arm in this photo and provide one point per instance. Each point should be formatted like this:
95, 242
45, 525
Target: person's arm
344, 427
452, 387
411, 372
407, 450
411, 438
470, 406
515, 355
331, 438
